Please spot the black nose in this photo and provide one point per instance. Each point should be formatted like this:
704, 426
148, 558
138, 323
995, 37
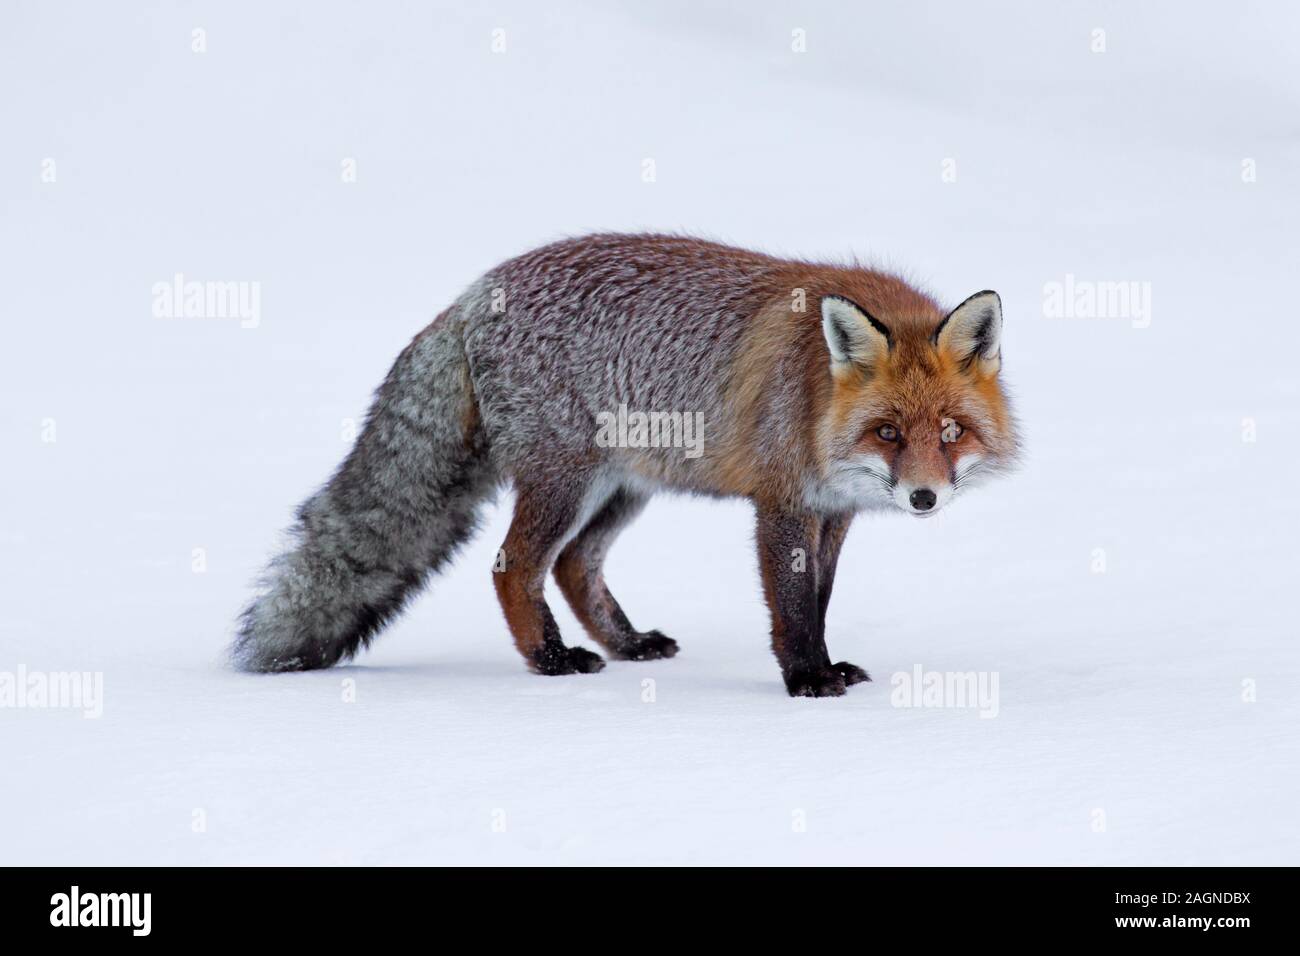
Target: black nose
922, 499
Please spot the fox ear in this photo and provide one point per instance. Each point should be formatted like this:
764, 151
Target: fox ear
852, 335
972, 333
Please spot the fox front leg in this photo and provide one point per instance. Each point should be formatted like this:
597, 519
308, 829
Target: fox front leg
790, 557
833, 531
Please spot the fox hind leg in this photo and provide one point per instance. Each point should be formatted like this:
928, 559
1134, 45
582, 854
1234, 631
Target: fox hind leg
578, 572
543, 520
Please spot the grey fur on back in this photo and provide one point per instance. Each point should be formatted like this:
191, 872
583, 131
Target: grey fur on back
653, 322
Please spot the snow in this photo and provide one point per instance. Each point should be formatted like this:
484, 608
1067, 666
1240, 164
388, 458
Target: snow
1125, 731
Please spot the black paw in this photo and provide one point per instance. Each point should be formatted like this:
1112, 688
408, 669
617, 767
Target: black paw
827, 683
852, 673
649, 647
567, 660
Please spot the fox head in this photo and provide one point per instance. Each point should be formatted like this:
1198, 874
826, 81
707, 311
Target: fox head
917, 411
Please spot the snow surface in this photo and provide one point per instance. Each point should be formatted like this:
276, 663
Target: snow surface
1122, 735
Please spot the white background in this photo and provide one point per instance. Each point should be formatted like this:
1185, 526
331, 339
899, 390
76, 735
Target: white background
1121, 693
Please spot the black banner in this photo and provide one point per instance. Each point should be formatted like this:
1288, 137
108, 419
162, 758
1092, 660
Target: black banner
1224, 906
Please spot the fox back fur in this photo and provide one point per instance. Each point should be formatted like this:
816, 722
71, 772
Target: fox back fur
592, 372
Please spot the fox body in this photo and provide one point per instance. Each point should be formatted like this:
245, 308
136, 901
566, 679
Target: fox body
571, 372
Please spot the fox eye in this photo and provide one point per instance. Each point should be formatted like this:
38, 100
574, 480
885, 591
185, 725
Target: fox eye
952, 430
887, 433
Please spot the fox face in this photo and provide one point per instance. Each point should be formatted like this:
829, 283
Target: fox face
917, 411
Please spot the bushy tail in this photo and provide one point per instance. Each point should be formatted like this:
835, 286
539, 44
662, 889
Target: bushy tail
400, 504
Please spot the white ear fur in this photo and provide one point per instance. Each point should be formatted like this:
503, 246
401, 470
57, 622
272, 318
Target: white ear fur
852, 335
972, 333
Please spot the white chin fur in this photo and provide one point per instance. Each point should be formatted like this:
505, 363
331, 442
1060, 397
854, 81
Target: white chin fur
857, 484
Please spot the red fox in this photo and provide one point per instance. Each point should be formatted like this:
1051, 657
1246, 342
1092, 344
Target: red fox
593, 372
